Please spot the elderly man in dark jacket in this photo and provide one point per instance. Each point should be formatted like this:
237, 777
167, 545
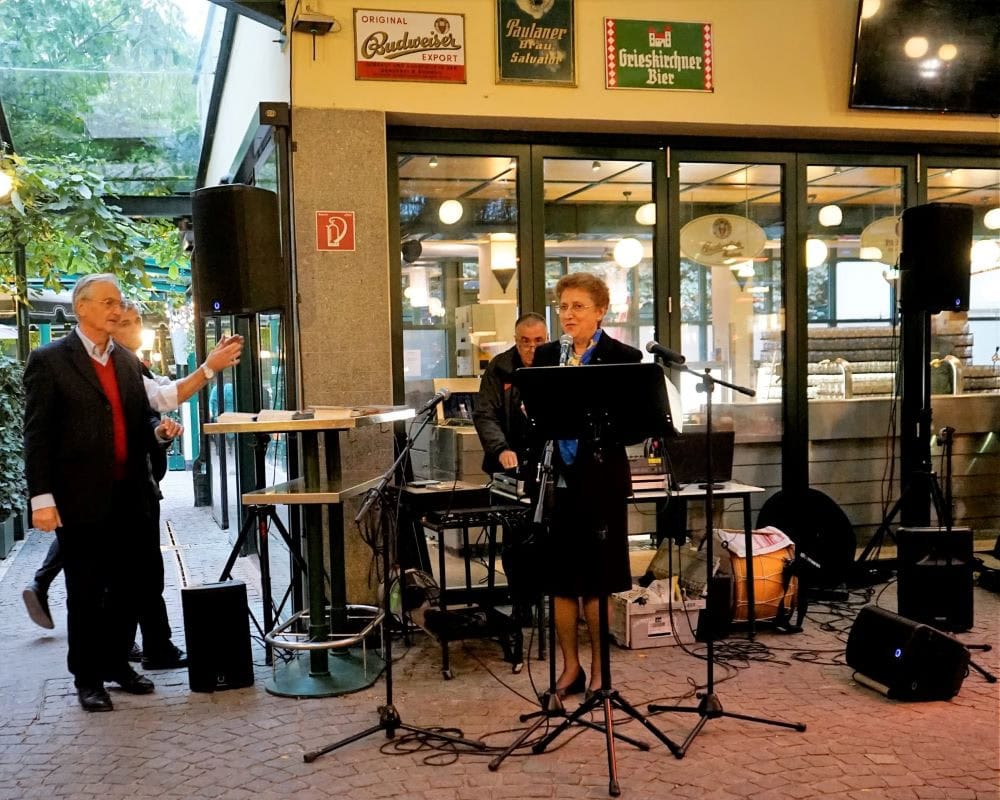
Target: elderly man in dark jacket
499, 419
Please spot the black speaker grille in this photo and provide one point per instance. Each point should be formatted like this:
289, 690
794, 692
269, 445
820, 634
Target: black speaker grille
236, 265
936, 257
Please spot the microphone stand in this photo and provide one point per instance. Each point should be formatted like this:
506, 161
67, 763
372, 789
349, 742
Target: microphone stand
709, 706
388, 717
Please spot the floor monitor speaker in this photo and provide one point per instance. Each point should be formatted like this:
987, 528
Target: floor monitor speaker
935, 576
905, 660
237, 266
936, 257
217, 633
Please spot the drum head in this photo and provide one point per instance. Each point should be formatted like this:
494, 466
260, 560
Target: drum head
820, 529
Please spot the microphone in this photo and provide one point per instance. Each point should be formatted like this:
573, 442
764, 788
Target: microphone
668, 355
565, 345
439, 397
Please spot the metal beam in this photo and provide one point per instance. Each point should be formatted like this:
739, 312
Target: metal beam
267, 12
215, 101
5, 136
172, 206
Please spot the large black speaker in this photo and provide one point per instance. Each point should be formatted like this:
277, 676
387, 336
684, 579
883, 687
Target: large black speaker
935, 576
903, 659
217, 633
936, 257
237, 266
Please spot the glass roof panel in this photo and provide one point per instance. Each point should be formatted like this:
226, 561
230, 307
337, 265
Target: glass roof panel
123, 82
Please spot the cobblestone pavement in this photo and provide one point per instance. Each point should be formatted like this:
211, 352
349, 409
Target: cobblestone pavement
249, 744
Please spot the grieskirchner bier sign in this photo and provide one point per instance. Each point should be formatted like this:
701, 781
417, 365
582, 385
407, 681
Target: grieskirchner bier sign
650, 54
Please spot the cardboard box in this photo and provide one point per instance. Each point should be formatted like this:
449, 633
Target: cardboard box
639, 620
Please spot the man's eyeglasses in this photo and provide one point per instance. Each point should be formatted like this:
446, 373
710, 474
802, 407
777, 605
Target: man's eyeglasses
108, 303
576, 308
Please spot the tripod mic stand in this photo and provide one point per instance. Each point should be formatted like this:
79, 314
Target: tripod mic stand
550, 704
710, 706
389, 719
612, 404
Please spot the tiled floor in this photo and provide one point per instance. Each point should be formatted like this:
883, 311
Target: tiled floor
249, 744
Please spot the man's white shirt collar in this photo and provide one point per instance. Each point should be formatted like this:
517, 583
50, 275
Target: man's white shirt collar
94, 350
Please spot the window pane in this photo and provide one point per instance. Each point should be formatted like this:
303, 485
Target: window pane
458, 219
599, 218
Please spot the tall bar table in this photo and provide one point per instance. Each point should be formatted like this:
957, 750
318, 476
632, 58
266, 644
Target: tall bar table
343, 670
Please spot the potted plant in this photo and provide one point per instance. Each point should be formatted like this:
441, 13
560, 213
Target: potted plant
12, 487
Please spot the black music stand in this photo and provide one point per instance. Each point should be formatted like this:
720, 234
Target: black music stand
607, 405
709, 706
377, 501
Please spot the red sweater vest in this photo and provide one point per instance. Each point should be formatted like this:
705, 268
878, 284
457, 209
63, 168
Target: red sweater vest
109, 382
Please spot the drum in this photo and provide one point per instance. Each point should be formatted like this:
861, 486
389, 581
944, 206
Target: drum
774, 594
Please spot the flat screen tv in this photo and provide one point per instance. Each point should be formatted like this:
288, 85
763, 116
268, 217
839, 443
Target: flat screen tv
927, 55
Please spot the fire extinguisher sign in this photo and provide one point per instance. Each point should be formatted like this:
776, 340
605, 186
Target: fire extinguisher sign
335, 231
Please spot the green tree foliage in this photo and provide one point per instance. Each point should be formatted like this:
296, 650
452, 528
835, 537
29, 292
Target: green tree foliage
57, 211
105, 80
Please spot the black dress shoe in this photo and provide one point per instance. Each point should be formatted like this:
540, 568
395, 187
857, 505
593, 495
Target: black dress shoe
94, 698
132, 682
172, 659
135, 654
36, 600
578, 685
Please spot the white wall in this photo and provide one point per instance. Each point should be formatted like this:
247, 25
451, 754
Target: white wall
258, 72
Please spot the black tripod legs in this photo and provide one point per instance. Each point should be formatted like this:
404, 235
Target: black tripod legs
390, 722
710, 707
607, 700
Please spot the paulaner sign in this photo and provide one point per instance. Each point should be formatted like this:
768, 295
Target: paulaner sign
535, 42
409, 46
648, 54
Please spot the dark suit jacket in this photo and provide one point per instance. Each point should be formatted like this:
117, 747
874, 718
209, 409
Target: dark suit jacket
607, 351
68, 431
499, 421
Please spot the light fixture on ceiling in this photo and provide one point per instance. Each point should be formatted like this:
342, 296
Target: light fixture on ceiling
646, 214
450, 212
6, 186
869, 8
816, 252
595, 167
311, 21
503, 258
991, 219
916, 46
432, 162
628, 252
947, 52
830, 216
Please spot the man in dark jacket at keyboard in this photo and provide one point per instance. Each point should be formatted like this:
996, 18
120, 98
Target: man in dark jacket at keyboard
499, 418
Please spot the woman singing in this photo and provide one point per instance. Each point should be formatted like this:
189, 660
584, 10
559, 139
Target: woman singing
589, 517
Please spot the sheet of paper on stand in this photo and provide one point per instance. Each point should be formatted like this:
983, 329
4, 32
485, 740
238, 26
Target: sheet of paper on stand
236, 416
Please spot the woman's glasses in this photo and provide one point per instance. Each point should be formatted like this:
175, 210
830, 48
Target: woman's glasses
576, 308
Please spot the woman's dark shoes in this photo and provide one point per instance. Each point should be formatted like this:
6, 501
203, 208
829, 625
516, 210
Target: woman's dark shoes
132, 682
36, 601
578, 685
170, 659
94, 698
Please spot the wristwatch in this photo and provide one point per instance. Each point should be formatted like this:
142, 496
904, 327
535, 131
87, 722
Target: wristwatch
209, 372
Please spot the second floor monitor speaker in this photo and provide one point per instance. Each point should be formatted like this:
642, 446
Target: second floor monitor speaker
905, 660
936, 257
237, 266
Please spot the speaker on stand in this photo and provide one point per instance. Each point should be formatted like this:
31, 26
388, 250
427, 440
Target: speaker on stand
935, 576
237, 251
